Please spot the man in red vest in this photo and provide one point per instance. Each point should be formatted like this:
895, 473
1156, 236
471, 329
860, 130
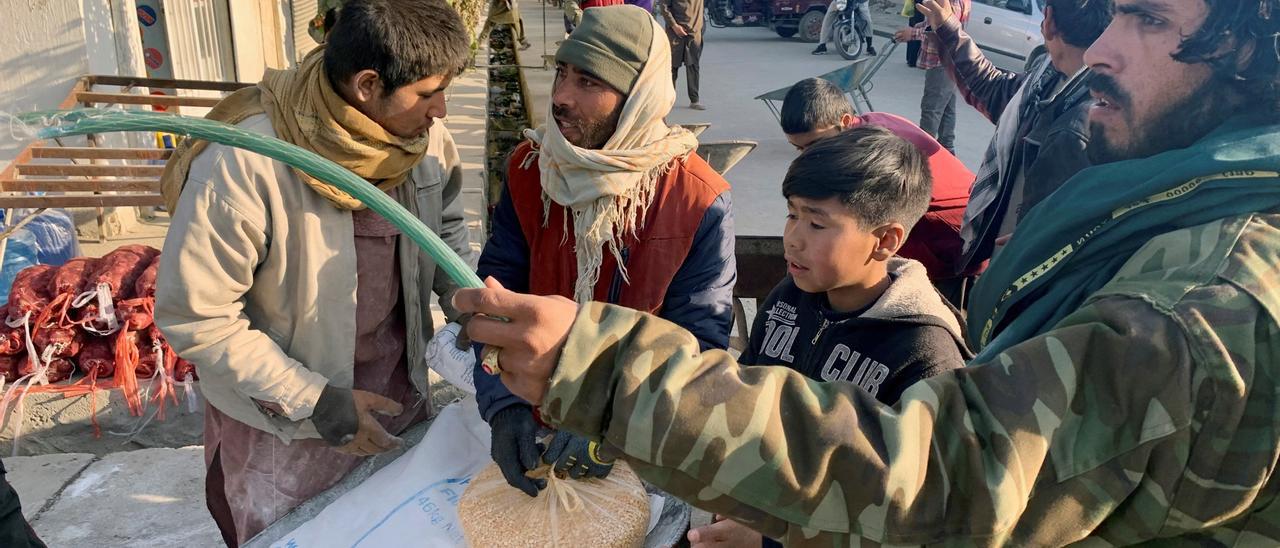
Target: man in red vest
607, 203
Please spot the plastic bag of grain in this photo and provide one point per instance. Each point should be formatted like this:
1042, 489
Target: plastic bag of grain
609, 512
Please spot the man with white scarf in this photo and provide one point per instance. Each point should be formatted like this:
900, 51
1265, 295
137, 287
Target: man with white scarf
615, 206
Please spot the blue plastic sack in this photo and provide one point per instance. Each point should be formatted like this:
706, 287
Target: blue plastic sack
47, 239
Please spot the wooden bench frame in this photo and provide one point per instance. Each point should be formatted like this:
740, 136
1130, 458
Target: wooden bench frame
48, 175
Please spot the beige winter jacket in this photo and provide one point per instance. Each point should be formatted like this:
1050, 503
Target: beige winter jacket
257, 283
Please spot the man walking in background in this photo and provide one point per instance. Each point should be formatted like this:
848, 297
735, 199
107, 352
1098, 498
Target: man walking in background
938, 105
684, 29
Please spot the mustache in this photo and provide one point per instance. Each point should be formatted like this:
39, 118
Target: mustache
559, 112
1107, 86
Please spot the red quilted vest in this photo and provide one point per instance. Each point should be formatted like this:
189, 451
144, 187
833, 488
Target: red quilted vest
652, 256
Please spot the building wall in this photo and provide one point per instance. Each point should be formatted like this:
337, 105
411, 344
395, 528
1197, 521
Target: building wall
258, 31
42, 51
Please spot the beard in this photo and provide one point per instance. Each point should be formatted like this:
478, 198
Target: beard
1179, 125
595, 131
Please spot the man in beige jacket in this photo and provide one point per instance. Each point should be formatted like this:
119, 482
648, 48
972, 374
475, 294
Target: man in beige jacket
304, 312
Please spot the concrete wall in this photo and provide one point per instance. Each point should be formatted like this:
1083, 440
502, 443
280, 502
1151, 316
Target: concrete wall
42, 52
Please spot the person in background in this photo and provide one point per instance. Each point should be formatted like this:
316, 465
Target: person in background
573, 10
816, 109
684, 20
1125, 391
1041, 117
938, 103
606, 202
305, 313
326, 17
914, 17
504, 12
850, 310
863, 10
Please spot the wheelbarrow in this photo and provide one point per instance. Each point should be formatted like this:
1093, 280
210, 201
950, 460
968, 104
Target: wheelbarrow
854, 79
723, 155
697, 128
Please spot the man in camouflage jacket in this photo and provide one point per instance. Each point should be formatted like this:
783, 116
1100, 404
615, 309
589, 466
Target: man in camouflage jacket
1128, 388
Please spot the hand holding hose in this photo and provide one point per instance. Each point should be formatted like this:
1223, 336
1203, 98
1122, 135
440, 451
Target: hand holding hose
525, 348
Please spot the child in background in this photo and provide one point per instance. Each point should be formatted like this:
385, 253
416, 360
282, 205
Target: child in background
850, 310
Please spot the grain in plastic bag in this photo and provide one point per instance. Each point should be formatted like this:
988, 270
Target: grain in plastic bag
611, 512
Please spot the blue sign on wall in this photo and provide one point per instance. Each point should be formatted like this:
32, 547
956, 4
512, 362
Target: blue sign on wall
146, 15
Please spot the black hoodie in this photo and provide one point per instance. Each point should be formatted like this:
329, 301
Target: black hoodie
908, 334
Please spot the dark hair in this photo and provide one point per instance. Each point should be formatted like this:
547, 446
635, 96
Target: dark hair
879, 176
1081, 22
1253, 23
404, 41
813, 103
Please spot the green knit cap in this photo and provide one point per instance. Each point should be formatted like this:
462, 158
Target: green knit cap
612, 43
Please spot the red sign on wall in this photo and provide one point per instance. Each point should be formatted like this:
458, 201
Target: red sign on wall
153, 57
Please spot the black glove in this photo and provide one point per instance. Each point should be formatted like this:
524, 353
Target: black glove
515, 447
577, 456
335, 416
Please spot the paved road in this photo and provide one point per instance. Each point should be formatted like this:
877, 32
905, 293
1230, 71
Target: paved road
741, 63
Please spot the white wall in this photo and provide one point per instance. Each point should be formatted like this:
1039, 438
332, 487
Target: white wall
42, 52
99, 41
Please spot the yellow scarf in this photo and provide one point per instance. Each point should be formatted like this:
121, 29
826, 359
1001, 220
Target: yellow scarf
306, 111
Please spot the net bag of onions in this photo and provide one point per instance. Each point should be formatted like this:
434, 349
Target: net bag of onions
609, 512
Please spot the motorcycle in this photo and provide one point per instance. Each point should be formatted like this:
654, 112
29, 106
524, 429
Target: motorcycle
851, 32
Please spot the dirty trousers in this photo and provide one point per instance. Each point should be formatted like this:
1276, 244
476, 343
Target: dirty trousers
253, 478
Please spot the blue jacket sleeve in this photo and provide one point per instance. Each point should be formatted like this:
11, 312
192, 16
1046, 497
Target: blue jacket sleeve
700, 297
506, 258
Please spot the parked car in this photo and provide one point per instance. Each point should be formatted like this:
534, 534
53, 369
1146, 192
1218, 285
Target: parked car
1009, 27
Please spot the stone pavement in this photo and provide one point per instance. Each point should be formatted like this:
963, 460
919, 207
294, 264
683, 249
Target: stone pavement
151, 497
155, 496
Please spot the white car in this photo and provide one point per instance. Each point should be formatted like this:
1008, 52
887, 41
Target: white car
1009, 27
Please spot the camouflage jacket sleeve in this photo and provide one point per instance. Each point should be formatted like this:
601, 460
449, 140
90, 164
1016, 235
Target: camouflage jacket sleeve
1125, 422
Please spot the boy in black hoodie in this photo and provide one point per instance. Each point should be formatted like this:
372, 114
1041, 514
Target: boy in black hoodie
849, 309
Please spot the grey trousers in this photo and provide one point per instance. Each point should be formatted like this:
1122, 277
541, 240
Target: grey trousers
938, 107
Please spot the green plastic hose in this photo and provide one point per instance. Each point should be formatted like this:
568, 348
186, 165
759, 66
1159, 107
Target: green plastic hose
62, 123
